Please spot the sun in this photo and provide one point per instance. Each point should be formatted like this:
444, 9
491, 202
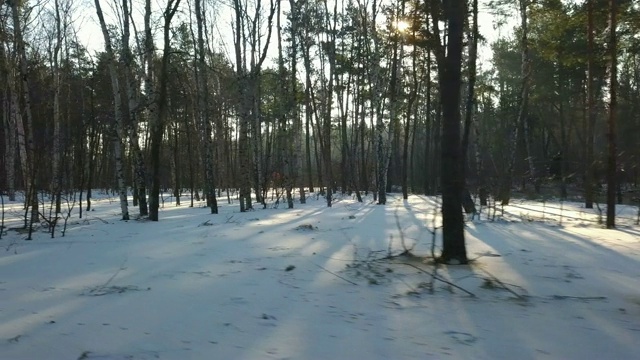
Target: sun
402, 25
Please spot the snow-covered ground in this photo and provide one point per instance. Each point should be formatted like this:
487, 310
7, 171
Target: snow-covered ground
317, 283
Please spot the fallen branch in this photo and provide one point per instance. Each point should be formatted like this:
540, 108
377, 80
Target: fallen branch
503, 285
334, 274
441, 279
402, 241
583, 298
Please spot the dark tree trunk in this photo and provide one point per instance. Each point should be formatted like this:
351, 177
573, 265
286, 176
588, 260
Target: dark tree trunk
157, 127
470, 104
454, 249
589, 177
611, 134
427, 146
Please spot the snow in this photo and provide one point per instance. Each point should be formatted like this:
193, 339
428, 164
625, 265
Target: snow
317, 283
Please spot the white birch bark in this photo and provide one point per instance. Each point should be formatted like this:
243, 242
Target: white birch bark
117, 130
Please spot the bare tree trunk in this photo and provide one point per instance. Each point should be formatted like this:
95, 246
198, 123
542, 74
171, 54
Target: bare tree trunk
297, 120
413, 96
243, 110
613, 102
56, 173
202, 113
308, 113
482, 187
248, 91
117, 130
454, 249
25, 139
563, 140
140, 188
505, 192
589, 177
393, 142
9, 121
412, 111
525, 70
91, 157
158, 123
326, 121
428, 143
470, 106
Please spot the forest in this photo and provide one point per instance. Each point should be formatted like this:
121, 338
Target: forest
319, 179
317, 97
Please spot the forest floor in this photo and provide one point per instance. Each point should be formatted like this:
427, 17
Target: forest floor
546, 281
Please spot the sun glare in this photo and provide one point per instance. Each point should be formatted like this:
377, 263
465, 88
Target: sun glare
402, 25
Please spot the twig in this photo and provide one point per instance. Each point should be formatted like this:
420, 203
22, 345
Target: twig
104, 221
583, 298
120, 268
503, 285
402, 241
334, 274
2, 221
14, 339
441, 279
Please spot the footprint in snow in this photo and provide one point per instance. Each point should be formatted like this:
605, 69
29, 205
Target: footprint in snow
462, 337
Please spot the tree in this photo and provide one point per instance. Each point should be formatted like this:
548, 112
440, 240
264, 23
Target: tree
8, 118
25, 139
521, 120
454, 249
117, 132
589, 177
158, 123
247, 31
140, 172
204, 122
612, 167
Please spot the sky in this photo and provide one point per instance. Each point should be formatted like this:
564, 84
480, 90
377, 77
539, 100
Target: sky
91, 36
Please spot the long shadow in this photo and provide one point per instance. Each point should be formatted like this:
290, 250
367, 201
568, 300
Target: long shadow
190, 290
560, 248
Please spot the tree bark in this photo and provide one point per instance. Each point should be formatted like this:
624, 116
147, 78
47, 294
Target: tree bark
203, 114
27, 149
157, 123
9, 121
56, 173
470, 106
117, 130
613, 102
140, 187
454, 249
589, 177
297, 120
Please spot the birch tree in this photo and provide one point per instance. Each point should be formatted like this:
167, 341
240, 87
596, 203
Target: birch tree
117, 131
